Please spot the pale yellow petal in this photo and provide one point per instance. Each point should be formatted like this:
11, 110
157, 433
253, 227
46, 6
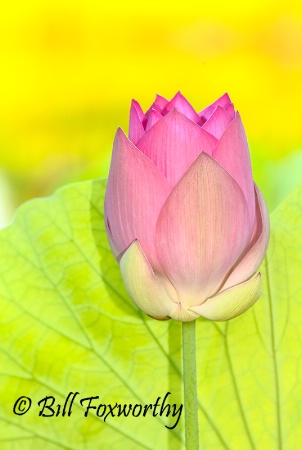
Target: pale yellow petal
143, 286
232, 302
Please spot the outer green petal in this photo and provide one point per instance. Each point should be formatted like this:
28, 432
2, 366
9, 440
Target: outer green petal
231, 302
143, 286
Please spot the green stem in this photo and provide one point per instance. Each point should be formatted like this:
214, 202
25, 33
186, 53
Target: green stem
190, 385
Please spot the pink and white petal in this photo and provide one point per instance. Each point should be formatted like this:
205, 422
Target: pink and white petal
135, 194
201, 230
161, 102
144, 288
222, 101
153, 118
136, 129
255, 252
173, 143
217, 122
182, 105
232, 302
232, 153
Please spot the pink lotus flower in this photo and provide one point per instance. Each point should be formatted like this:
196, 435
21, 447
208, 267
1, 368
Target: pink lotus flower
184, 218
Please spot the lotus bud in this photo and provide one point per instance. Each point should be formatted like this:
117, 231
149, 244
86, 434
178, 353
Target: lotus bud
184, 218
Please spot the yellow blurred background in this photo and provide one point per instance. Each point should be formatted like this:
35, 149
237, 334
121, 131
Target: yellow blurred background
69, 70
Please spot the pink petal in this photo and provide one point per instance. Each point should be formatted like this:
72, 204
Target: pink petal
217, 122
254, 254
153, 107
139, 110
136, 129
153, 118
136, 191
143, 286
231, 110
201, 230
173, 144
182, 105
232, 153
232, 302
161, 102
222, 101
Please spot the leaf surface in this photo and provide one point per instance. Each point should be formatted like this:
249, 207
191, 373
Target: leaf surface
67, 325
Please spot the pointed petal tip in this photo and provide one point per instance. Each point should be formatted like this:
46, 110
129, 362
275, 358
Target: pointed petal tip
217, 122
180, 102
236, 118
136, 128
160, 102
225, 97
137, 107
223, 101
236, 122
136, 104
120, 135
